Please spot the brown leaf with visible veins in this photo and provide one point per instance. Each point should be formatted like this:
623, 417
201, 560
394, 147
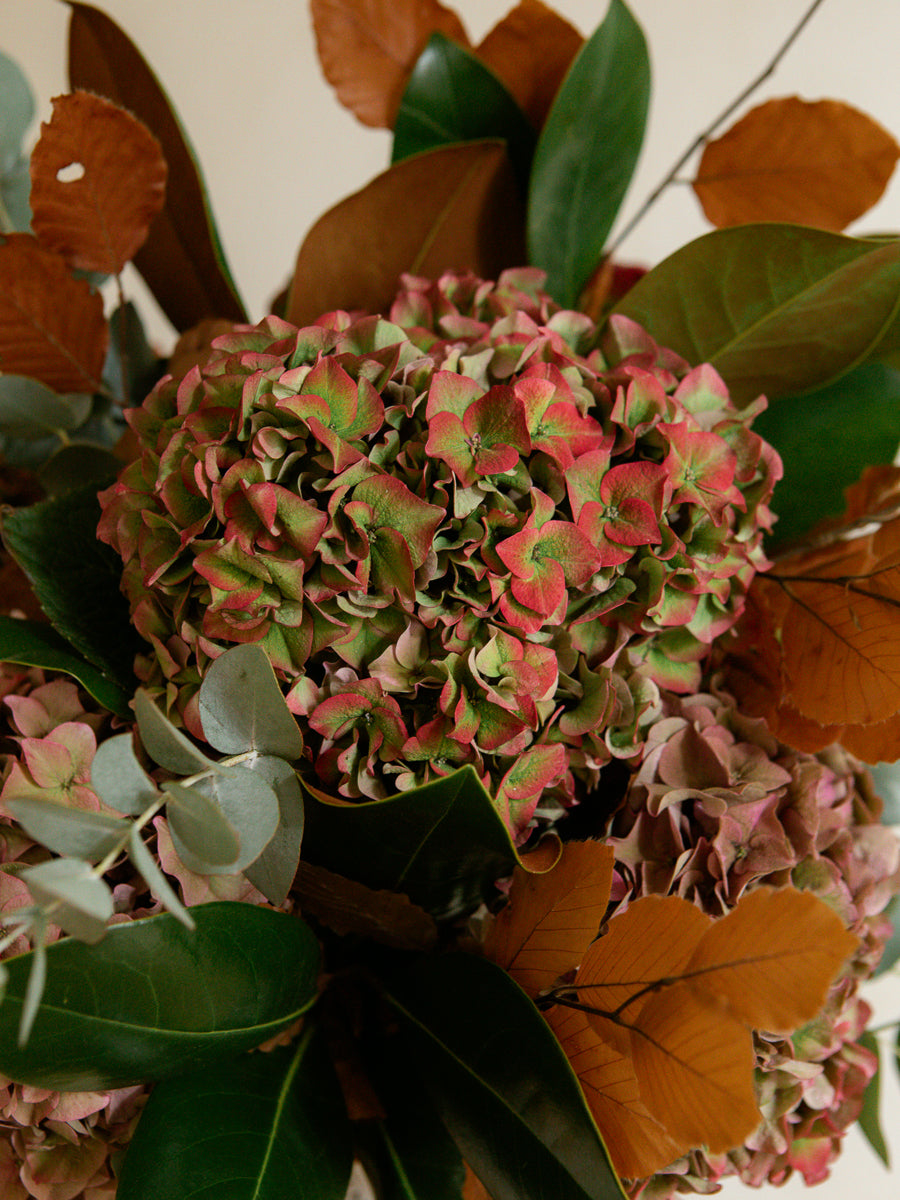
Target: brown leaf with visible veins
368, 49
531, 49
456, 208
818, 163
52, 326
347, 906
98, 178
551, 919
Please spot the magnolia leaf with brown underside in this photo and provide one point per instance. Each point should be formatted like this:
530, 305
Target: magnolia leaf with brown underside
97, 181
819, 163
456, 208
52, 326
367, 49
551, 919
531, 49
346, 906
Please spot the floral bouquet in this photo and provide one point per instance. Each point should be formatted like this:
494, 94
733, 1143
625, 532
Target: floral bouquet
435, 715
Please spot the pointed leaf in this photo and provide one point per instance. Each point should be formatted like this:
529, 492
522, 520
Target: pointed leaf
524, 1145
452, 97
551, 919
76, 578
146, 866
367, 49
30, 409
869, 1118
35, 644
586, 154
204, 838
153, 1000
52, 326
443, 844
460, 211
119, 779
82, 903
76, 464
166, 745
531, 49
750, 301
181, 261
818, 163
264, 1125
65, 830
273, 871
97, 181
243, 708
822, 450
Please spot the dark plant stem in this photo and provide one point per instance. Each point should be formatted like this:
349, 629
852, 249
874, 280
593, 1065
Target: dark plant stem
707, 133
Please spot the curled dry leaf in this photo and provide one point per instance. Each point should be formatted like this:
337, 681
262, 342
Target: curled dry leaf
52, 326
368, 48
459, 209
530, 50
98, 179
657, 1020
818, 163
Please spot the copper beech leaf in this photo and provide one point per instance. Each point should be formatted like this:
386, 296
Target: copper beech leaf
98, 178
452, 208
182, 260
52, 326
368, 48
818, 163
531, 49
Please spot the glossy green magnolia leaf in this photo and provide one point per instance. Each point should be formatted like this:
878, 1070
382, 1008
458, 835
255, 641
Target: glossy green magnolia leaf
165, 744
826, 438
67, 830
75, 464
274, 870
452, 97
443, 844
466, 1027
16, 110
243, 708
76, 579
146, 864
752, 300
870, 1117
261, 1127
34, 644
203, 837
586, 154
82, 903
119, 779
154, 1000
249, 804
29, 409
182, 260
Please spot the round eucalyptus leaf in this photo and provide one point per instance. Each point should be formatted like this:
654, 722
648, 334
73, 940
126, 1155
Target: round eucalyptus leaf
119, 779
67, 830
82, 902
204, 839
249, 804
16, 109
165, 744
30, 409
242, 706
274, 870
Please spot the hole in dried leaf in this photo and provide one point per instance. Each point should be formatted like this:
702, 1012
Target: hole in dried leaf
71, 173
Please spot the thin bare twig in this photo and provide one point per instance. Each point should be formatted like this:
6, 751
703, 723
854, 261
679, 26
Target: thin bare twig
707, 133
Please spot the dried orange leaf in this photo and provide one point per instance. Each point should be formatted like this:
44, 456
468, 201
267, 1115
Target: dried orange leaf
551, 919
818, 163
453, 208
52, 326
97, 181
638, 1144
368, 48
530, 50
771, 960
695, 1065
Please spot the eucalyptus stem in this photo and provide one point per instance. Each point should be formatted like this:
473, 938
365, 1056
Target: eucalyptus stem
702, 138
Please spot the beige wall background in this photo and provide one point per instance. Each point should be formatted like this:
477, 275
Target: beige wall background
277, 150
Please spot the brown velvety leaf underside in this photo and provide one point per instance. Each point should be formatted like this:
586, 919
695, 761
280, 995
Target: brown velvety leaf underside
456, 208
52, 326
181, 260
818, 163
531, 49
98, 217
368, 48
